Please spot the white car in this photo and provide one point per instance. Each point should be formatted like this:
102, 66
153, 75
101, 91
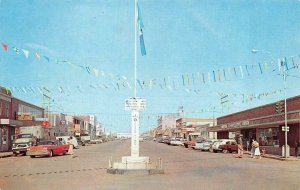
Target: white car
216, 144
204, 146
207, 144
66, 139
176, 141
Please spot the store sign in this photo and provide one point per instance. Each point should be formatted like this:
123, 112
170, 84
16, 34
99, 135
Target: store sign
238, 124
24, 116
187, 130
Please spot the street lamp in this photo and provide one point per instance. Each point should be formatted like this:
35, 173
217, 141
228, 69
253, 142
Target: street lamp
284, 70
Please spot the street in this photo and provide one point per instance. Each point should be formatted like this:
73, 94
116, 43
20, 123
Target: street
184, 169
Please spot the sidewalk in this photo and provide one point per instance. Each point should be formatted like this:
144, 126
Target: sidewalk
277, 157
5, 154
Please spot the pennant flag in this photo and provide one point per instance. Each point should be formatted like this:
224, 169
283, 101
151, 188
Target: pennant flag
96, 72
286, 64
266, 66
4, 46
260, 68
219, 76
16, 50
37, 56
139, 82
165, 82
247, 70
294, 63
88, 70
214, 76
188, 79
203, 78
26, 53
47, 58
182, 80
208, 76
242, 71
142, 43
279, 65
234, 71
224, 74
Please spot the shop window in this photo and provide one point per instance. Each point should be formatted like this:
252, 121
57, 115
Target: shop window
269, 137
4, 136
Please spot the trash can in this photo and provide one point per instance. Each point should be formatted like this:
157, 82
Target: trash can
283, 151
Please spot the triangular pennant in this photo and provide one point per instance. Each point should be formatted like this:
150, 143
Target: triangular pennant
4, 46
37, 56
26, 53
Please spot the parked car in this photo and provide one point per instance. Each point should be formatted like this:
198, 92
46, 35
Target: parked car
48, 148
205, 145
192, 143
176, 141
65, 138
22, 143
215, 147
230, 146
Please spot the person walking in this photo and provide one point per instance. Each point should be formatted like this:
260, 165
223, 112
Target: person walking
70, 151
257, 154
240, 148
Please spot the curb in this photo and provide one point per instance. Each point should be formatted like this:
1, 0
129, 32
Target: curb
6, 155
276, 158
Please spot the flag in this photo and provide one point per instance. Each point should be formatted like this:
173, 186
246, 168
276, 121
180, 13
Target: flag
16, 50
37, 56
260, 68
285, 64
140, 20
26, 53
208, 76
141, 26
47, 58
214, 76
242, 73
142, 43
5, 46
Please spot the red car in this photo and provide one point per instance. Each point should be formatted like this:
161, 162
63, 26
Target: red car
48, 148
230, 146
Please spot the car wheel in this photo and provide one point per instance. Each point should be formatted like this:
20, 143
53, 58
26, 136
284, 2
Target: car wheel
32, 156
229, 151
51, 153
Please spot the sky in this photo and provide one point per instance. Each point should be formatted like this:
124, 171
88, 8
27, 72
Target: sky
197, 53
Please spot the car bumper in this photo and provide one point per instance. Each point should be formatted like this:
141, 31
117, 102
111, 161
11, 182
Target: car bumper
19, 150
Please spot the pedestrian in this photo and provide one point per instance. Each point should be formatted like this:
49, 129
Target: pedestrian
70, 151
240, 148
252, 148
255, 145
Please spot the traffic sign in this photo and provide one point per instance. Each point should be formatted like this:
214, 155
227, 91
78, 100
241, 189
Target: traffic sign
133, 103
287, 128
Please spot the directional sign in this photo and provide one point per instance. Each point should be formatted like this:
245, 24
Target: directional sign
133, 103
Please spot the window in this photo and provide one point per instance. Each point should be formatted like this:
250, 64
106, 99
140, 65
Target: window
269, 137
7, 109
0, 107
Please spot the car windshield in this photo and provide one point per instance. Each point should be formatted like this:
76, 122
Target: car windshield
46, 143
22, 140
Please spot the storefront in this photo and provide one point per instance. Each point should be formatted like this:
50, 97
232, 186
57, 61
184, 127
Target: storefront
265, 124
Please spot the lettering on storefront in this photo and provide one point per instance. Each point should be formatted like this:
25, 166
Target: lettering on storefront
238, 124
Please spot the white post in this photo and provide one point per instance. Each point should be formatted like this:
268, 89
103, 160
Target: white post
135, 133
285, 112
135, 46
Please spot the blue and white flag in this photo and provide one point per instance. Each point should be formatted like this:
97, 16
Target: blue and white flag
141, 26
142, 43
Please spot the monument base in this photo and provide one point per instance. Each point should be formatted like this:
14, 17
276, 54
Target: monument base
135, 165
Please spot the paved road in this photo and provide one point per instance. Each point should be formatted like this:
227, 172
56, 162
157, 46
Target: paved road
184, 169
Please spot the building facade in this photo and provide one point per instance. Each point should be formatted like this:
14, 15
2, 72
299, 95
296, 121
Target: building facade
264, 124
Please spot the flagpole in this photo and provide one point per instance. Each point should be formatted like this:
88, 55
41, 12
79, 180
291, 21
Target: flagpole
135, 46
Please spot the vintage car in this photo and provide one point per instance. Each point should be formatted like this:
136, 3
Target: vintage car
215, 147
191, 143
229, 146
204, 145
176, 141
48, 148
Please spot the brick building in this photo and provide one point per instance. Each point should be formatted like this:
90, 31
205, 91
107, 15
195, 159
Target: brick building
264, 123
